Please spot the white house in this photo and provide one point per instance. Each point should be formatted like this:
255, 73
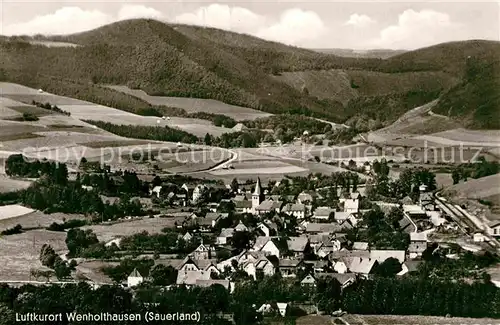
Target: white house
340, 267
156, 191
418, 244
198, 192
134, 279
261, 265
297, 210
266, 245
494, 228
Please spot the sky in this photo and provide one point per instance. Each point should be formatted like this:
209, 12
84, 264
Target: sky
323, 24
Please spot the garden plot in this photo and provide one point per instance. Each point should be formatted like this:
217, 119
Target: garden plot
259, 167
193, 105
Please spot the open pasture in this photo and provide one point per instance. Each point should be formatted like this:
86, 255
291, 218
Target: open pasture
260, 167
37, 220
481, 188
20, 252
108, 232
193, 105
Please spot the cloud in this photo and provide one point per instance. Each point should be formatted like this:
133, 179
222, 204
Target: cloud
66, 20
138, 11
358, 20
236, 19
69, 20
418, 29
295, 27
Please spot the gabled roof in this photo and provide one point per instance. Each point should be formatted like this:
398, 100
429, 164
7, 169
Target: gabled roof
241, 226
308, 279
343, 278
226, 232
418, 236
297, 244
135, 274
351, 204
289, 262
191, 277
361, 265
211, 282
323, 211
258, 188
343, 253
382, 255
269, 205
243, 204
341, 215
260, 242
294, 207
323, 227
360, 245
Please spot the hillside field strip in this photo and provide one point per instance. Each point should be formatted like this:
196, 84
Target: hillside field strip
194, 105
413, 320
83, 110
37, 220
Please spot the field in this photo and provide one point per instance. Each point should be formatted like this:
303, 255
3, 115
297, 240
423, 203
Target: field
484, 188
20, 252
82, 110
13, 211
414, 320
8, 184
108, 232
193, 105
37, 220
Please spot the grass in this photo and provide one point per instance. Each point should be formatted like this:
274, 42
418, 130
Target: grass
20, 252
108, 232
37, 220
9, 185
19, 136
33, 110
114, 143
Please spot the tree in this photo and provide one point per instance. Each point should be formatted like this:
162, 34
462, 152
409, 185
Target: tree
163, 275
455, 175
234, 185
47, 255
208, 139
241, 240
388, 268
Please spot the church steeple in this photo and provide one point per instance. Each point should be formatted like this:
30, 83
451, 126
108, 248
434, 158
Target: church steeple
257, 195
258, 188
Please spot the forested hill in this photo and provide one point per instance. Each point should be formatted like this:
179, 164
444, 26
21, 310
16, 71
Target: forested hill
188, 61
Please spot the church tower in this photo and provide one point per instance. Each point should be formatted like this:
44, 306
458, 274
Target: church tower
257, 195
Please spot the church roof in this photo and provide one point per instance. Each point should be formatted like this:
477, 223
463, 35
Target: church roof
258, 188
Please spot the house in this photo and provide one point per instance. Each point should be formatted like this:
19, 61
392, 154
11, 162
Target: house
414, 211
323, 228
134, 279
351, 204
426, 202
341, 216
282, 308
297, 246
317, 266
494, 228
189, 278
155, 191
268, 206
187, 237
361, 265
297, 210
307, 197
479, 238
243, 206
361, 246
261, 265
345, 279
266, 245
309, 281
323, 213
409, 267
406, 225
325, 249
240, 227
191, 264
203, 252
199, 192
418, 244
225, 236
211, 219
340, 266
381, 255
289, 267
264, 229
